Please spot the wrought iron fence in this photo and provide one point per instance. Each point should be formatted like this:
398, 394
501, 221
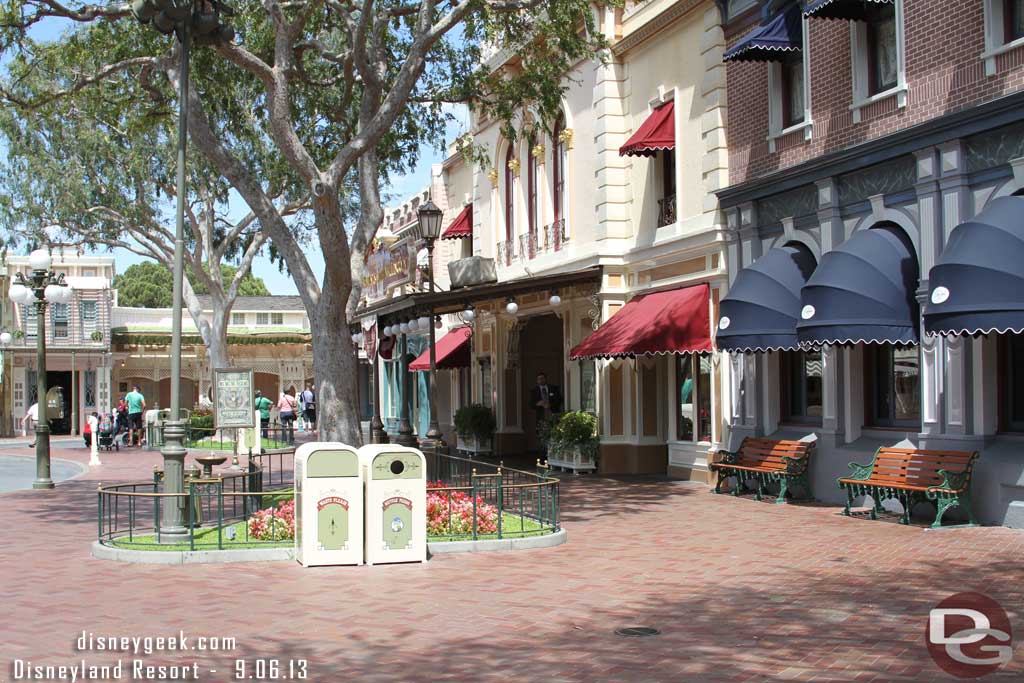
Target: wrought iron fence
471, 499
555, 235
217, 510
506, 252
666, 211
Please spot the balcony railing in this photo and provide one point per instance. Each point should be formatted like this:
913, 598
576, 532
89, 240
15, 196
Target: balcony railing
506, 252
555, 236
666, 211
530, 245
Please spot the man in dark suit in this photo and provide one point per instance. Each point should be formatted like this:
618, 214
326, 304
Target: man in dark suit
545, 398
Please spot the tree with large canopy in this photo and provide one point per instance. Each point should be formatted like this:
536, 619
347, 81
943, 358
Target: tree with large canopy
316, 100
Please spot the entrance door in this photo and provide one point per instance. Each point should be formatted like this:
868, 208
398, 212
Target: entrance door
62, 379
541, 349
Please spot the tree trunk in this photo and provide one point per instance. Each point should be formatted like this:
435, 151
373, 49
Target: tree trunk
336, 370
216, 340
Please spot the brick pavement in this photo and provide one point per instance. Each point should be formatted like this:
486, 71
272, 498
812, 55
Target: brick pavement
741, 590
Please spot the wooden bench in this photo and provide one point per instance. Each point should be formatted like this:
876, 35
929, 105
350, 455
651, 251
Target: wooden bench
912, 476
766, 461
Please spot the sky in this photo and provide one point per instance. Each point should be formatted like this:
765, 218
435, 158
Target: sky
395, 192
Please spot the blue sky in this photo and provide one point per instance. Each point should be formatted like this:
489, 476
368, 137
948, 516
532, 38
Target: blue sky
277, 282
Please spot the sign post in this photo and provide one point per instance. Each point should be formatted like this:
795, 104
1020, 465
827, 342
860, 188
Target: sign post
233, 399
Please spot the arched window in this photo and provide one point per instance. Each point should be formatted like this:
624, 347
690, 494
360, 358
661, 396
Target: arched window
532, 207
510, 203
558, 163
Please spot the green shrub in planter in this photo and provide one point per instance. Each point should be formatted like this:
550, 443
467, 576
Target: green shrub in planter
201, 419
475, 420
575, 431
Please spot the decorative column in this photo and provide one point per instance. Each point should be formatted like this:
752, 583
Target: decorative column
405, 433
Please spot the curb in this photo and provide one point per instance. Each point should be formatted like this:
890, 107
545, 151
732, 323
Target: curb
494, 545
105, 552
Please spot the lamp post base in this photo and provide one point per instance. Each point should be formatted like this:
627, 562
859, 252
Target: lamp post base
377, 433
43, 479
405, 437
172, 522
43, 484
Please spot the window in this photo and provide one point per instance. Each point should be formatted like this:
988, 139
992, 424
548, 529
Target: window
892, 385
1011, 375
532, 176
465, 387
792, 74
87, 314
558, 161
588, 386
510, 203
29, 323
878, 54
262, 318
485, 381
88, 272
365, 390
883, 70
801, 374
667, 202
277, 318
59, 316
1013, 20
693, 387
238, 318
89, 390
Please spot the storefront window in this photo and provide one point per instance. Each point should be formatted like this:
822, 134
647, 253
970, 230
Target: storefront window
800, 372
892, 385
1012, 377
365, 391
485, 381
465, 387
588, 386
693, 386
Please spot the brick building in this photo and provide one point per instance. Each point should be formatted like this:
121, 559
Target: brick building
861, 133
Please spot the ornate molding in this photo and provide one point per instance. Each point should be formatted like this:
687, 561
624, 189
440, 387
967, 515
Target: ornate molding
492, 175
657, 24
566, 137
513, 165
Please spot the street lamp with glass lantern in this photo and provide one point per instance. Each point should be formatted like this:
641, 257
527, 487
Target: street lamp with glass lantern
186, 19
427, 229
40, 287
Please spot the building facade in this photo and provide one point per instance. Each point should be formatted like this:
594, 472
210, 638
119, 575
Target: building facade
579, 217
861, 136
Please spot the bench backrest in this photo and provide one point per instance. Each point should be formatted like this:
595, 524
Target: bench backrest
918, 467
769, 453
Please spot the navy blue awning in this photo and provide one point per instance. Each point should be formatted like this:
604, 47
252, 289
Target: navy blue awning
977, 285
862, 292
777, 40
848, 10
763, 305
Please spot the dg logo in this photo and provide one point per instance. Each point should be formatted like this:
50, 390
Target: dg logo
969, 635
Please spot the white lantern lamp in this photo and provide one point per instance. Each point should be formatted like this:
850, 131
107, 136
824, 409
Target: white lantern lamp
39, 260
5, 338
18, 293
511, 307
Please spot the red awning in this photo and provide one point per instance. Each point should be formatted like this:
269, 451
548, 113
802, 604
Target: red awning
674, 321
452, 352
462, 226
657, 132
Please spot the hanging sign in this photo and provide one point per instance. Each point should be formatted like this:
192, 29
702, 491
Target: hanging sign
233, 398
387, 268
370, 341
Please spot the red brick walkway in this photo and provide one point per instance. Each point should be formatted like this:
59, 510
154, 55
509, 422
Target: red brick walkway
742, 591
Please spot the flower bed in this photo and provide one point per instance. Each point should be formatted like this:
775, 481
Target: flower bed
450, 512
274, 524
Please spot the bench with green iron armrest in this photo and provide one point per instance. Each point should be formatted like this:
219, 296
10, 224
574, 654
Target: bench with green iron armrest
912, 476
767, 461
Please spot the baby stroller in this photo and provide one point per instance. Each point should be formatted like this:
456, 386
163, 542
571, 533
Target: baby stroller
106, 433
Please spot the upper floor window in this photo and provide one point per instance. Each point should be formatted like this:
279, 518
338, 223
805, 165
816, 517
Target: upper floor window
59, 315
1004, 30
1013, 20
29, 320
667, 201
510, 202
87, 311
558, 162
532, 178
792, 96
88, 272
882, 55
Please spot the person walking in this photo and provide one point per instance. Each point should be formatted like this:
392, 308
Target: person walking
136, 406
309, 408
29, 421
286, 411
263, 404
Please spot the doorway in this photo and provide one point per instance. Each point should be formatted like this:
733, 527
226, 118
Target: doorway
62, 379
541, 350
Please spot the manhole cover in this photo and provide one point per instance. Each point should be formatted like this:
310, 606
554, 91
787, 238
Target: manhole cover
636, 631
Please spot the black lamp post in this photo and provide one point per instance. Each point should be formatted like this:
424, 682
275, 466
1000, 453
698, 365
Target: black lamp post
40, 287
183, 18
427, 229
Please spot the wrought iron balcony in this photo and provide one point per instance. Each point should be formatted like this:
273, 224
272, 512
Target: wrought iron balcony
555, 236
528, 245
506, 252
666, 211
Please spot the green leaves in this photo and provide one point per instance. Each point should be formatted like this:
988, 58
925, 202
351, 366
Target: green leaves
149, 285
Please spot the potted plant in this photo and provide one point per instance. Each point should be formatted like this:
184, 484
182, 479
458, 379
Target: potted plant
474, 426
573, 442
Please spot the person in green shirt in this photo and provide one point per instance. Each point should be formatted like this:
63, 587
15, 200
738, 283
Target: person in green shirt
263, 404
136, 405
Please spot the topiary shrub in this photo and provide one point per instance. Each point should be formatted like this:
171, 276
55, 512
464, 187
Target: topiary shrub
477, 420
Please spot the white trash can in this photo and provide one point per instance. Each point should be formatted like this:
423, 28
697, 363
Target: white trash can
328, 505
396, 503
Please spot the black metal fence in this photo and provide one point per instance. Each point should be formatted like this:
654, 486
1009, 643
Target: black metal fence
473, 499
273, 436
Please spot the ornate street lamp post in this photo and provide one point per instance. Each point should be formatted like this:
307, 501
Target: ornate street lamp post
183, 18
427, 229
40, 287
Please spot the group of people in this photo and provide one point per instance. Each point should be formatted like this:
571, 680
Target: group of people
127, 418
289, 408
